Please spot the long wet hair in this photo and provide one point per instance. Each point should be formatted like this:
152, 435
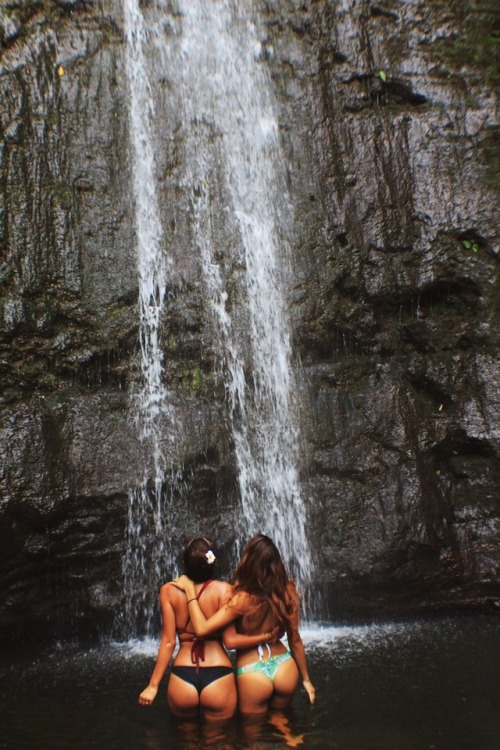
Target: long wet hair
199, 559
262, 574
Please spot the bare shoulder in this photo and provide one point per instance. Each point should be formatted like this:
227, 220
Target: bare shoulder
169, 592
222, 585
222, 589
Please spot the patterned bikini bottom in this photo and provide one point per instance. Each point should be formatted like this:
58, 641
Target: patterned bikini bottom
269, 667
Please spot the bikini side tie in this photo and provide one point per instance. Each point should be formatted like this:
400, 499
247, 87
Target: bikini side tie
260, 649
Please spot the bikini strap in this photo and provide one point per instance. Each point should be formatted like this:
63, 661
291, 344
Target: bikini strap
205, 585
260, 650
198, 647
182, 631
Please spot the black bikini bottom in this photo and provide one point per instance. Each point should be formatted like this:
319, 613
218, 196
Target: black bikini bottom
204, 677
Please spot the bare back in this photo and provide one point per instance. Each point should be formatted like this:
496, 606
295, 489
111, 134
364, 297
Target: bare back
210, 601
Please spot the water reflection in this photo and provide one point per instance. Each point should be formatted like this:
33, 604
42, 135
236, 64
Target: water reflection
413, 686
275, 729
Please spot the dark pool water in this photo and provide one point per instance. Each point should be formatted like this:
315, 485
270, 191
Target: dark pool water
412, 686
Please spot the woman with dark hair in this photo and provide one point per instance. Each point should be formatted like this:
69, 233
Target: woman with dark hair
263, 599
202, 675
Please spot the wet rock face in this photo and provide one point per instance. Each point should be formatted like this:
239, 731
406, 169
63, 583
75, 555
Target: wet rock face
387, 118
396, 319
68, 319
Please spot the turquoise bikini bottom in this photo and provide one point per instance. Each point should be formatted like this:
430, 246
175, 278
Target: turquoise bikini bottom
269, 667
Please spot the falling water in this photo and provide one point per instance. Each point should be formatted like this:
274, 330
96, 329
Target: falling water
146, 533
234, 180
236, 174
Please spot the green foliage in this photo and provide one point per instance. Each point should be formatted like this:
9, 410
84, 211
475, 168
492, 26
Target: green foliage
193, 379
470, 245
197, 379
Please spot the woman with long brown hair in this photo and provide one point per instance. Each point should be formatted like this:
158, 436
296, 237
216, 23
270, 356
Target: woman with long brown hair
264, 599
202, 675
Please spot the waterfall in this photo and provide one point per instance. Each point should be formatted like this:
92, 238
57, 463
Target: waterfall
233, 177
144, 560
237, 178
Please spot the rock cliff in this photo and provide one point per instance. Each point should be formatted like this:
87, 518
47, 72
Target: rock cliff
387, 121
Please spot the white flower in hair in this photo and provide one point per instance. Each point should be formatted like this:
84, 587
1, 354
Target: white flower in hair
210, 557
